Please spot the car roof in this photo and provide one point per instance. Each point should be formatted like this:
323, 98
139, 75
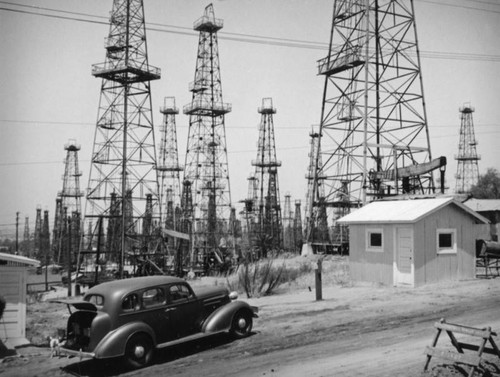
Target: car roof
119, 288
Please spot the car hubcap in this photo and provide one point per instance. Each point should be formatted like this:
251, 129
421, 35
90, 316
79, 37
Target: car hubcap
242, 323
139, 351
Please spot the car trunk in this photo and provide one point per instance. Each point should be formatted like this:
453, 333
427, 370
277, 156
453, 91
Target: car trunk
78, 330
79, 324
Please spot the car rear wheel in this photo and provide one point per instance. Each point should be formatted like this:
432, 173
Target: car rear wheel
241, 325
139, 351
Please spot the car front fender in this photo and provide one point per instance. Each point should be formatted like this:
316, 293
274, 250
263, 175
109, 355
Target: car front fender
221, 319
113, 344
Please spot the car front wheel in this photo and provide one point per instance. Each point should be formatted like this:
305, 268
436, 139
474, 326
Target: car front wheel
241, 325
139, 351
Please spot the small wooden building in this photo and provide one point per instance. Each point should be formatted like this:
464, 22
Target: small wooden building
412, 242
13, 281
489, 208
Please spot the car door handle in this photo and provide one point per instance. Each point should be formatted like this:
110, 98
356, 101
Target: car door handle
170, 310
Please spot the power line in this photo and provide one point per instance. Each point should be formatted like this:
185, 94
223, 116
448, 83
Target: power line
460, 6
42, 122
252, 38
167, 25
486, 2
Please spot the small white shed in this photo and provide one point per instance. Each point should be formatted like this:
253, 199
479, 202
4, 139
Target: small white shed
413, 241
13, 281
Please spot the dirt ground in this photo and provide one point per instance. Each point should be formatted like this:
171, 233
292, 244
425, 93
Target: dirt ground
361, 330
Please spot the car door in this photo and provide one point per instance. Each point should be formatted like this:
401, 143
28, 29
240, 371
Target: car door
183, 311
153, 305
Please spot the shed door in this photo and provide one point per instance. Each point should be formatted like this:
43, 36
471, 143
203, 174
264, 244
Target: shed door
404, 256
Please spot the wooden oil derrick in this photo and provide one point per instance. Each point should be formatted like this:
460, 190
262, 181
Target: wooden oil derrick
269, 230
123, 184
206, 165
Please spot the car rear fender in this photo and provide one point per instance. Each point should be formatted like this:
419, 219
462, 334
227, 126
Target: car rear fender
113, 344
221, 319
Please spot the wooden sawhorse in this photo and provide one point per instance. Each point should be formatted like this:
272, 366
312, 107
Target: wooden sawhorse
474, 360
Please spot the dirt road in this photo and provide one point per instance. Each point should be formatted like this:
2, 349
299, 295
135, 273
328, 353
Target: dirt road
356, 331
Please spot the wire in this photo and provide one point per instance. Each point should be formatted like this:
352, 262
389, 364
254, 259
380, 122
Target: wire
251, 38
458, 6
233, 128
485, 2
165, 25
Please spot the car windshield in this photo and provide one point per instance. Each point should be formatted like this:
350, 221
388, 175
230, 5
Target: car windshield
97, 300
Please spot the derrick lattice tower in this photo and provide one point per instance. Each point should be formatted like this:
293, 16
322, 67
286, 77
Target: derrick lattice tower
185, 251
68, 204
467, 157
206, 165
169, 168
45, 251
319, 236
373, 117
37, 238
297, 226
248, 214
26, 245
268, 209
123, 178
288, 224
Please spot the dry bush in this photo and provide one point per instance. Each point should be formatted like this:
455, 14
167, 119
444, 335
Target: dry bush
262, 278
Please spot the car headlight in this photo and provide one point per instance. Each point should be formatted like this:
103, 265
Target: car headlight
233, 295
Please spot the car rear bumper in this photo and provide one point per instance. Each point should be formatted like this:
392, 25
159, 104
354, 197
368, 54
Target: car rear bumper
80, 354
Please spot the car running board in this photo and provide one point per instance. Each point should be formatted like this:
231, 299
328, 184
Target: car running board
189, 338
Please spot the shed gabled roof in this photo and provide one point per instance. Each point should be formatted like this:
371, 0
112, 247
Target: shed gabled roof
483, 205
403, 211
18, 260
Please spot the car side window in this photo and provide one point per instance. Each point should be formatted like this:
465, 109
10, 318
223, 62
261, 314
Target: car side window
131, 303
179, 292
153, 297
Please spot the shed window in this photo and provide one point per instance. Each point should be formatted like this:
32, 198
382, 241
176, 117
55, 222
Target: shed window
374, 240
446, 240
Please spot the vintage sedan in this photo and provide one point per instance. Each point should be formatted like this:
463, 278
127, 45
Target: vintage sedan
131, 318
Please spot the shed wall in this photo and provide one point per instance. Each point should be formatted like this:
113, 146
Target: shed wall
13, 289
433, 267
371, 266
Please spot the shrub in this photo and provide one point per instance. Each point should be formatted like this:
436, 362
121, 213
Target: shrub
260, 278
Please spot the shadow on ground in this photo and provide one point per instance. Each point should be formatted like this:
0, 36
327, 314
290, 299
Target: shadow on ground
100, 368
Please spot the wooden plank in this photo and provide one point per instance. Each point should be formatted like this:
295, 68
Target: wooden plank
175, 234
473, 347
434, 342
481, 333
455, 342
473, 360
496, 351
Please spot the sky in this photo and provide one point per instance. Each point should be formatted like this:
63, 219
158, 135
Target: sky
266, 48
